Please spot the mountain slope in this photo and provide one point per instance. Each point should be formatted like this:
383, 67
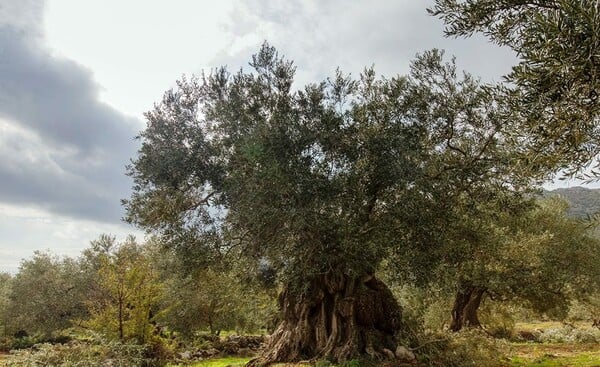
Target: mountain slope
583, 201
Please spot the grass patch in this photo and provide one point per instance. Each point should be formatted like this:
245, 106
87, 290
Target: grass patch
555, 355
223, 362
581, 360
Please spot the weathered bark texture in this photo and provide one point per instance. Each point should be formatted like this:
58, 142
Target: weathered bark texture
466, 304
338, 318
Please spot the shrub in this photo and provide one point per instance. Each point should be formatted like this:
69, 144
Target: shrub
85, 353
46, 354
568, 334
498, 319
6, 343
468, 348
24, 342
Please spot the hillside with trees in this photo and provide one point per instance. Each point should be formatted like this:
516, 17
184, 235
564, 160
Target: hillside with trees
583, 202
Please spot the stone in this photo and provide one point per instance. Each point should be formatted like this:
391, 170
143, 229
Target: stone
187, 355
388, 353
405, 354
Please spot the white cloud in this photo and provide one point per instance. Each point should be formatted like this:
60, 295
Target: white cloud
25, 230
137, 48
321, 36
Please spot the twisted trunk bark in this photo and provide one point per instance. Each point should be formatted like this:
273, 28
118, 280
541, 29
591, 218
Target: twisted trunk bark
464, 312
338, 318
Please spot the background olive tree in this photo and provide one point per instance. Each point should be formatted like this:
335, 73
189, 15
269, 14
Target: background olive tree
126, 291
539, 258
215, 301
5, 289
46, 295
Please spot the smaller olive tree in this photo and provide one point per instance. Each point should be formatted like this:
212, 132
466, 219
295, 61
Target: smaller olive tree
540, 258
5, 286
125, 297
46, 295
215, 301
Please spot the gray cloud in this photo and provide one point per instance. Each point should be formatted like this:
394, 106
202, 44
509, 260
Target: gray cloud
352, 34
61, 149
24, 16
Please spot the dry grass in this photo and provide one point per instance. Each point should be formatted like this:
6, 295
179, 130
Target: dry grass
554, 354
535, 350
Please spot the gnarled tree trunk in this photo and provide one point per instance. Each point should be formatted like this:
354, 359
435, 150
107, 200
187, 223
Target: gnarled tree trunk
464, 312
337, 318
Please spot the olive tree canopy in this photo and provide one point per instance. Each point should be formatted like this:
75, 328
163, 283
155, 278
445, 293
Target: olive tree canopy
322, 183
556, 83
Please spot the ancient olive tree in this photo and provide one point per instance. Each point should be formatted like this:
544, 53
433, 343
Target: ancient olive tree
556, 83
321, 183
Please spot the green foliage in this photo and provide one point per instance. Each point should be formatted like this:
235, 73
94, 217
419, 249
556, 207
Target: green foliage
8, 343
586, 308
554, 255
499, 319
563, 258
78, 353
427, 306
215, 301
46, 295
536, 256
128, 292
223, 362
556, 83
335, 175
468, 348
5, 290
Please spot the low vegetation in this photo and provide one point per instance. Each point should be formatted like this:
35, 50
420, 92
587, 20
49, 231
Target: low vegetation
223, 362
555, 355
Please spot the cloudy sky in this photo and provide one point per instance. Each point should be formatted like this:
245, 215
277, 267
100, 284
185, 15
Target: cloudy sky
76, 77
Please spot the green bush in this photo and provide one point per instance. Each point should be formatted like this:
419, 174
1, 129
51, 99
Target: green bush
24, 342
89, 353
568, 334
468, 348
323, 363
498, 319
6, 343
159, 350
64, 355
352, 363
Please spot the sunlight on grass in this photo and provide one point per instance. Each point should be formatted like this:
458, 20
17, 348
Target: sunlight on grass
223, 362
585, 359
